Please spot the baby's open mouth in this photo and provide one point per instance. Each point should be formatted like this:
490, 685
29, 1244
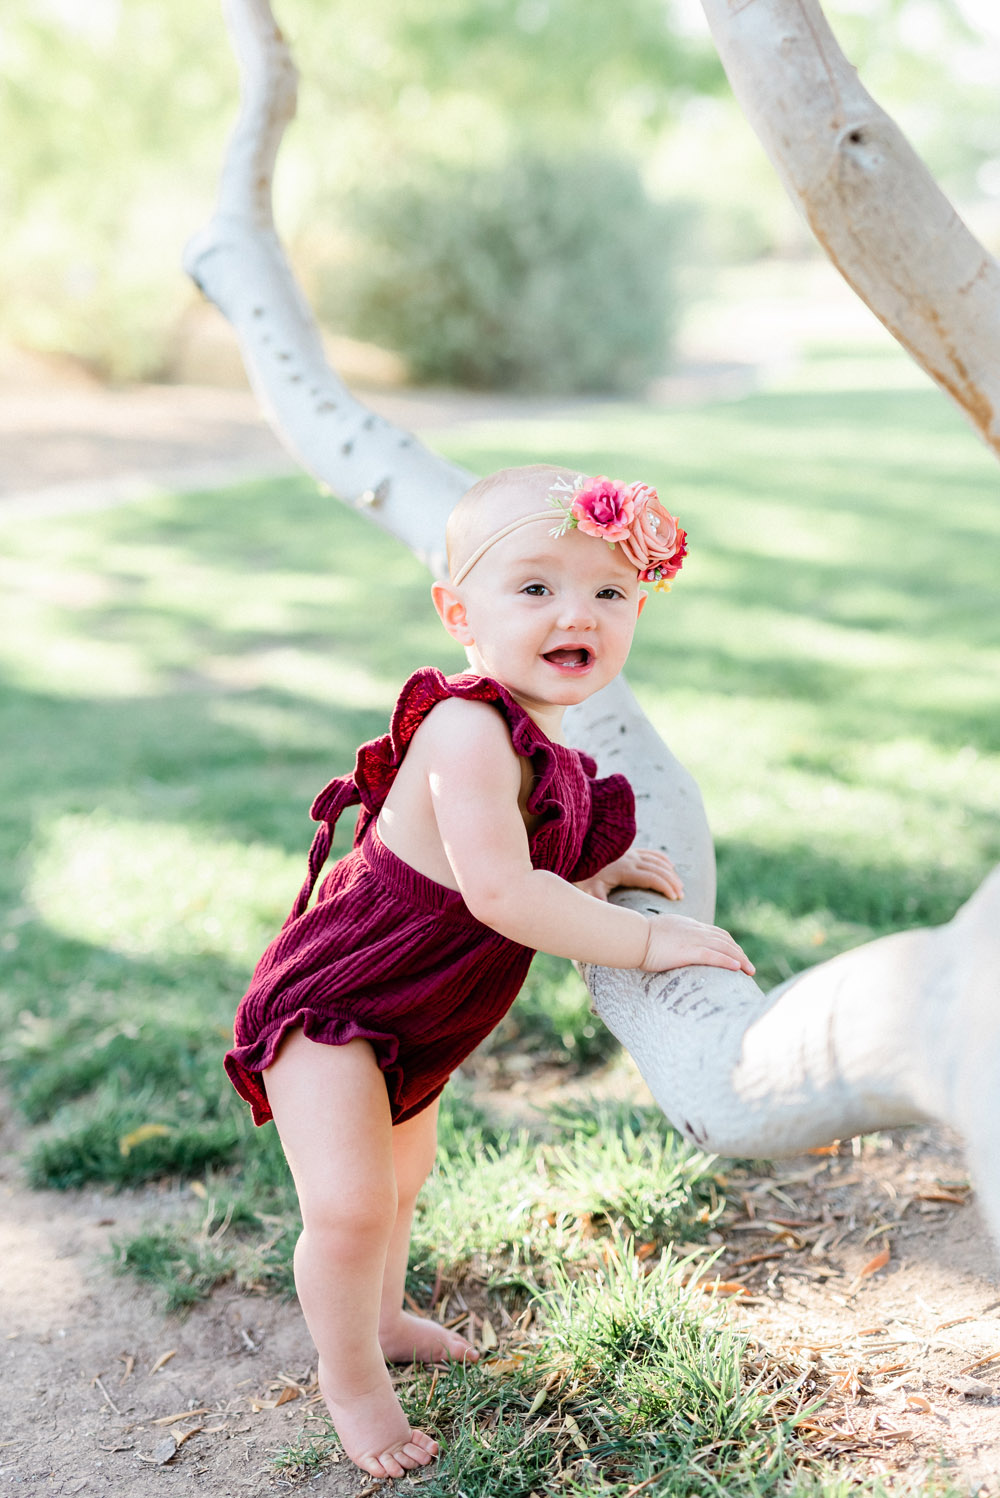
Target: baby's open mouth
569, 658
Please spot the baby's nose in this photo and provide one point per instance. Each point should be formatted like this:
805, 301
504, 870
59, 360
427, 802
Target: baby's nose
576, 612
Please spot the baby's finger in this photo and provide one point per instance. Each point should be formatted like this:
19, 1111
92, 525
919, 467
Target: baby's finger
655, 858
736, 953
668, 884
718, 957
720, 941
658, 873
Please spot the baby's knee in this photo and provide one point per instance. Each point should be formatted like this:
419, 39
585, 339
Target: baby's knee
410, 1182
351, 1217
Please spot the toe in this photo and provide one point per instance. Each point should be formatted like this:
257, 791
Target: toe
392, 1464
413, 1455
461, 1351
426, 1443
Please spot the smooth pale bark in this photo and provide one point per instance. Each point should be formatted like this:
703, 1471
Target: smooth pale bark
867, 196
891, 1033
238, 262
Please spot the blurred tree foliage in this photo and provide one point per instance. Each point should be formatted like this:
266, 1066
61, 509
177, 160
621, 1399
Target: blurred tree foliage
112, 118
549, 271
114, 115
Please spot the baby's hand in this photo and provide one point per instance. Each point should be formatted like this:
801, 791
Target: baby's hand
679, 941
639, 868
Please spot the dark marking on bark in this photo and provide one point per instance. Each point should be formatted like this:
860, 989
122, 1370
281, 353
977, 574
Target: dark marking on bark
982, 271
406, 441
284, 355
671, 985
325, 406
368, 423
258, 312
372, 498
347, 449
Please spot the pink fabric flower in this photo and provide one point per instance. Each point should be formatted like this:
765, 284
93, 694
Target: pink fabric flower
655, 544
605, 509
629, 515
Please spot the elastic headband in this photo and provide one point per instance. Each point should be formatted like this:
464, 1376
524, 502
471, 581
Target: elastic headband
626, 515
515, 525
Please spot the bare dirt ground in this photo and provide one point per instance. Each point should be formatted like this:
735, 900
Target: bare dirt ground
102, 1394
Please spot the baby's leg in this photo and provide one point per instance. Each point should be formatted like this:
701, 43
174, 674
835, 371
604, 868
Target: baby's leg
405, 1338
332, 1112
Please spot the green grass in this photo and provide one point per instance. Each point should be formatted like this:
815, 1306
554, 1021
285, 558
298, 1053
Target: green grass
180, 676
627, 1383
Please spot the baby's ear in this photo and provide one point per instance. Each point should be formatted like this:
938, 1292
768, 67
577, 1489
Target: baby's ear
643, 596
451, 611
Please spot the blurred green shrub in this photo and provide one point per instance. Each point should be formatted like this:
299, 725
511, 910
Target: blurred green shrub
541, 272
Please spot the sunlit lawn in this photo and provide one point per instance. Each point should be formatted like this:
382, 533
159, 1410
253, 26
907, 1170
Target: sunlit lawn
180, 676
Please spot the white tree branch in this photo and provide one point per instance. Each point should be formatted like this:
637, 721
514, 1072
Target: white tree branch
867, 196
238, 262
857, 1043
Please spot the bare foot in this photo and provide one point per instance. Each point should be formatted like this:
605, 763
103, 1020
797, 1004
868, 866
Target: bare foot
417, 1339
373, 1429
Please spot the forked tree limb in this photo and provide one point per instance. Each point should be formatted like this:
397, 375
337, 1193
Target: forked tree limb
890, 1033
868, 198
238, 262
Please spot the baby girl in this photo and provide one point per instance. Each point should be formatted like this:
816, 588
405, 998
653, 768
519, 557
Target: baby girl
481, 838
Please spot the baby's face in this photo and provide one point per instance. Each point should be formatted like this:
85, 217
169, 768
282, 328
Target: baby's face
552, 618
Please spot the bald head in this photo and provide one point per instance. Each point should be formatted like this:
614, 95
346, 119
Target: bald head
497, 501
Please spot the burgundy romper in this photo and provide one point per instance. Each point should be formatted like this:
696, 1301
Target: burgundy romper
391, 956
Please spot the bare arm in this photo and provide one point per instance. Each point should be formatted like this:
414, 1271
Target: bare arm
474, 778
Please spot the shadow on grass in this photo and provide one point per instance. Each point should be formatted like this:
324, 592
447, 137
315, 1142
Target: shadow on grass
183, 675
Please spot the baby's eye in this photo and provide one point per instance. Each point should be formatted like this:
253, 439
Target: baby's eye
611, 593
535, 590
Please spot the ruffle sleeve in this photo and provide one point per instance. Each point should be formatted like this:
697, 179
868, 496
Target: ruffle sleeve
612, 822
378, 762
565, 794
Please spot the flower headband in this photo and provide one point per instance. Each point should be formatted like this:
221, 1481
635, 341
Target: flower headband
629, 515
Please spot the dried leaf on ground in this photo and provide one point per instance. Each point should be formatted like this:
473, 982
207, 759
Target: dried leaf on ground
573, 1431
487, 1336
180, 1415
981, 1362
128, 1142
880, 1260
163, 1452
287, 1394
969, 1388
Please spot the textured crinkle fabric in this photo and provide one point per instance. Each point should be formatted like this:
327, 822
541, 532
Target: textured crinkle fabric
388, 955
